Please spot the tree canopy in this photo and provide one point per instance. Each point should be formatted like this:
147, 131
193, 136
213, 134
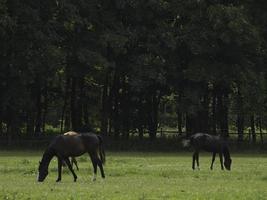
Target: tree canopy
117, 66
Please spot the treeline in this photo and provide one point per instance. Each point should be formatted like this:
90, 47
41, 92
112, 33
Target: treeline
112, 64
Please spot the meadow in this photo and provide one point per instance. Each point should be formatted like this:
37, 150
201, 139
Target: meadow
137, 176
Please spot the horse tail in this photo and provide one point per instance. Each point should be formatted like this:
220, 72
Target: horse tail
101, 150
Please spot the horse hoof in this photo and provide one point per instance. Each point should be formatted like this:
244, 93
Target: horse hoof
58, 180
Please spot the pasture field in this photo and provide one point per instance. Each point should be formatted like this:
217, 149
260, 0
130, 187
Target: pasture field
136, 176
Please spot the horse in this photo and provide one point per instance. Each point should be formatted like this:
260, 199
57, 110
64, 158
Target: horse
72, 160
65, 146
209, 143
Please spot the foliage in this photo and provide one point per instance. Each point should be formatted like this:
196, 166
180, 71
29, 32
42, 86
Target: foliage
110, 65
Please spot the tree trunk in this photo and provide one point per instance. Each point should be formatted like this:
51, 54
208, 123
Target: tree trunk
38, 119
260, 127
179, 114
110, 126
1, 122
222, 113
45, 106
67, 121
214, 115
73, 114
116, 122
66, 97
1, 127
140, 132
125, 110
204, 113
30, 123
12, 124
180, 122
140, 118
153, 104
104, 113
86, 115
252, 125
240, 127
225, 123
189, 124
219, 109
240, 116
80, 107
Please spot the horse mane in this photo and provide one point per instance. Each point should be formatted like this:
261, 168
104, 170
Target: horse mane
47, 156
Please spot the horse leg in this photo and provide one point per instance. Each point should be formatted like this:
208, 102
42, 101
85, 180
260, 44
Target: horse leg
221, 160
193, 162
59, 161
73, 160
213, 159
100, 165
94, 162
197, 158
67, 161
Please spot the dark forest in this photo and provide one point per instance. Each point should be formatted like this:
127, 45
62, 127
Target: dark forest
127, 67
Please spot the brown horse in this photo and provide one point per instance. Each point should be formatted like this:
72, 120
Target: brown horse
72, 160
65, 146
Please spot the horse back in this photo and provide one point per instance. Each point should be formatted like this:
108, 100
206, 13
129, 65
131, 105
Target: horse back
71, 133
75, 144
206, 142
69, 145
90, 141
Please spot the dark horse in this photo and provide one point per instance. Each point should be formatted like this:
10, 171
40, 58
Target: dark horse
65, 146
209, 143
72, 160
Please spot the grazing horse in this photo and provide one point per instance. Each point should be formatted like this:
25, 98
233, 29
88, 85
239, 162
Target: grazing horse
209, 143
65, 146
73, 160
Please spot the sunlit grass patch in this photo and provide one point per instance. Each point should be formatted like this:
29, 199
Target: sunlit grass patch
135, 176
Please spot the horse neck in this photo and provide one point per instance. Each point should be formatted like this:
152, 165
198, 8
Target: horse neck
47, 157
226, 153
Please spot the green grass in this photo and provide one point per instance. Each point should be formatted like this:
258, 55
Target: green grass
136, 176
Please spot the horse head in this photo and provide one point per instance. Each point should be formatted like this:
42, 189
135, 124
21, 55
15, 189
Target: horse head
227, 163
43, 165
42, 172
